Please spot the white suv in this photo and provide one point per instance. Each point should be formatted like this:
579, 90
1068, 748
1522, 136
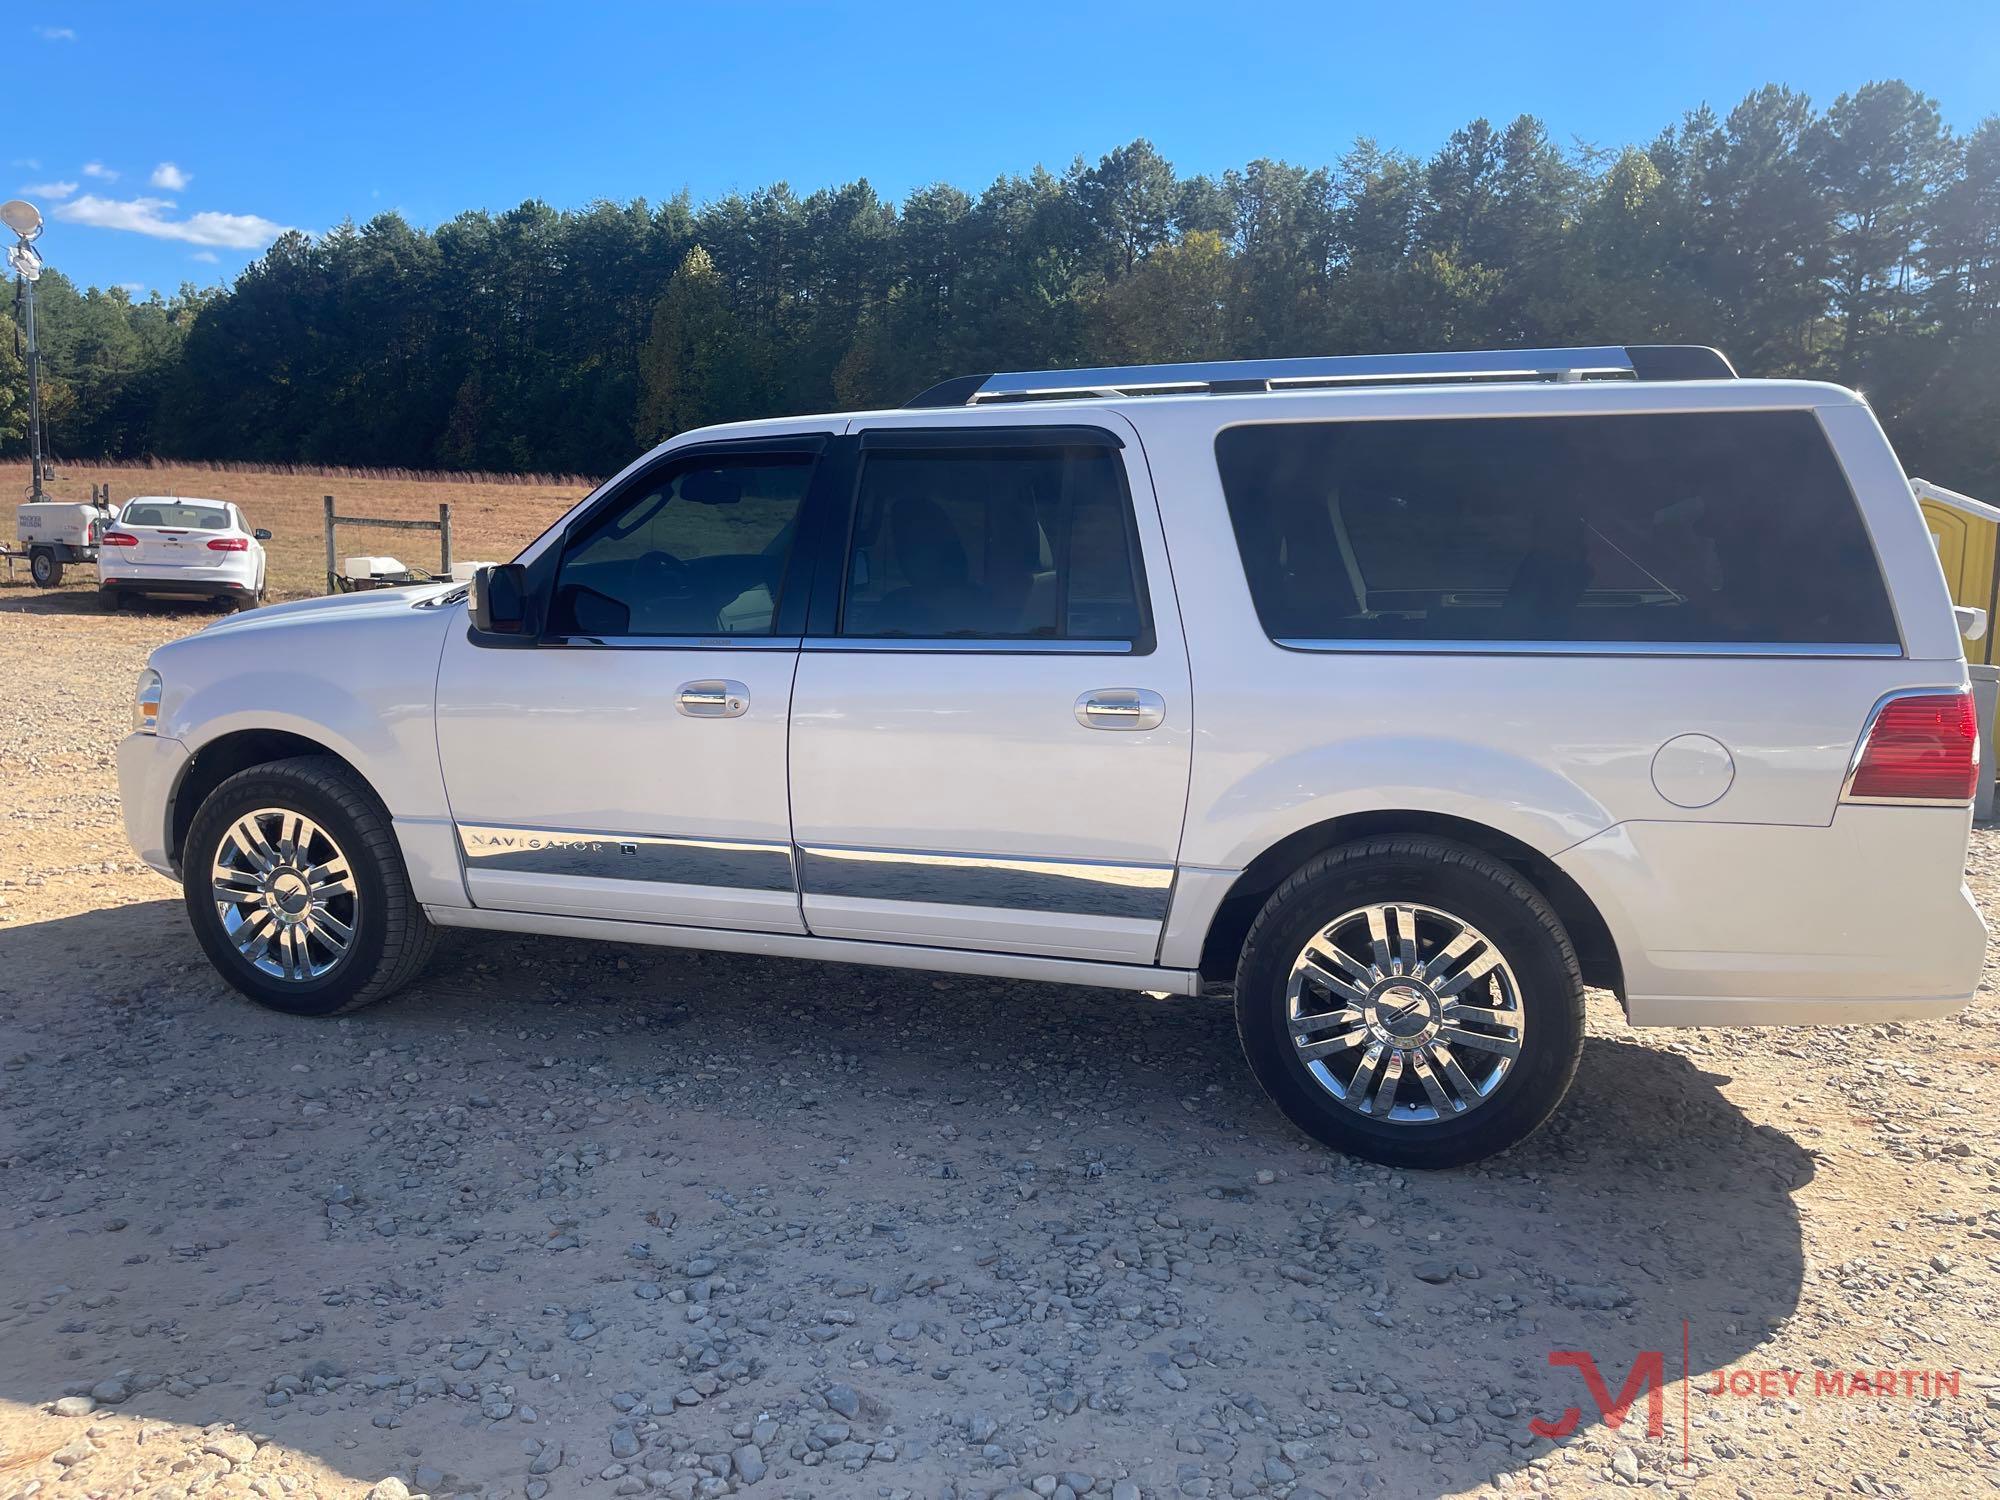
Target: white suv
1400, 696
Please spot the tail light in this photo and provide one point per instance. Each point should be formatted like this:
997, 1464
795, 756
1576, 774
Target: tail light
230, 544
1918, 747
119, 539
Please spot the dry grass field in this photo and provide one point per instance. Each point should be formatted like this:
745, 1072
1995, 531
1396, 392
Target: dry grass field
491, 518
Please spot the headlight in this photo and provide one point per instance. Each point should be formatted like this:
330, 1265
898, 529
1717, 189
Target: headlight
146, 703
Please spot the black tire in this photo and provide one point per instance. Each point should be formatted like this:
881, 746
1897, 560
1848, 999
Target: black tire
1470, 885
45, 568
111, 599
391, 940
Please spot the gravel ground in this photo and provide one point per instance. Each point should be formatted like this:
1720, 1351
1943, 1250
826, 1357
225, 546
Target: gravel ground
571, 1219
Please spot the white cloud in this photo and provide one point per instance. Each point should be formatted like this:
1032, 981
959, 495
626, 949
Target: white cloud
172, 178
48, 190
207, 257
98, 170
131, 288
55, 33
147, 216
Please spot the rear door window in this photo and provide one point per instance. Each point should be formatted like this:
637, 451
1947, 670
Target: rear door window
1662, 528
1011, 543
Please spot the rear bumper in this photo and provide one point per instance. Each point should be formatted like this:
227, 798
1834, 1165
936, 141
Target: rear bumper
149, 768
1732, 924
219, 575
188, 588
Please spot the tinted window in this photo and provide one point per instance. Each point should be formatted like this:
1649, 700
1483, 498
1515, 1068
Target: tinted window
173, 513
697, 550
1671, 527
994, 544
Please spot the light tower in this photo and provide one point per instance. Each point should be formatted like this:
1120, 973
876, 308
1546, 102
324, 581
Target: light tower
26, 221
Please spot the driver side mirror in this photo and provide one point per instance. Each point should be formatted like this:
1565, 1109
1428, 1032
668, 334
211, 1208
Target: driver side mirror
261, 534
500, 599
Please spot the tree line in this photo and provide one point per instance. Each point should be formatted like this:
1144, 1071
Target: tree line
1857, 243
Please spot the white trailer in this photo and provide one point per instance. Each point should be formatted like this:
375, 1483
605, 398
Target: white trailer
53, 534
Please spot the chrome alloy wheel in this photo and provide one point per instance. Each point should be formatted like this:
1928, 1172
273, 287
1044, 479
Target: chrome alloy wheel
285, 894
1405, 1013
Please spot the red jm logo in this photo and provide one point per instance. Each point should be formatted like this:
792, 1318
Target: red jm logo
1649, 1374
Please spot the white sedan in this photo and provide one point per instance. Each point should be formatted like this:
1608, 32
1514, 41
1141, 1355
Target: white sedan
191, 548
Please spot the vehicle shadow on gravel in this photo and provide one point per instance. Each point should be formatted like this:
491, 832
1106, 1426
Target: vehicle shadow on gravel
87, 601
1067, 1213
30, 600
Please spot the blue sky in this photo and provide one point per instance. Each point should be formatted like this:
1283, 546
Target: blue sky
169, 143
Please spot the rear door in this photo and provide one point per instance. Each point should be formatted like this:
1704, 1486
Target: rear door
992, 718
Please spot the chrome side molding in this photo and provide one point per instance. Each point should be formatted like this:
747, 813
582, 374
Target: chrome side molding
1073, 887
1007, 882
734, 864
984, 646
1835, 649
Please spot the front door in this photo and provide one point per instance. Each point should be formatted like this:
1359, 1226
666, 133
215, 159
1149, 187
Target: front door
629, 762
992, 718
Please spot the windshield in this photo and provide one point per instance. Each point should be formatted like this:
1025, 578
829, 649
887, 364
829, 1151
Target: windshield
187, 515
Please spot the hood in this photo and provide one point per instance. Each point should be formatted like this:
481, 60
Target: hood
368, 604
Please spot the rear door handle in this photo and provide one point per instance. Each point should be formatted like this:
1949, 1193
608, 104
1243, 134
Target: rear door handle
713, 698
1121, 708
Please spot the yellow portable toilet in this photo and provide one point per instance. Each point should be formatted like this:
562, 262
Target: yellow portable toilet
1967, 534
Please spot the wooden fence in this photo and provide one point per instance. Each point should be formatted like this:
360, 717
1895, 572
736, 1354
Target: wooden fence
442, 526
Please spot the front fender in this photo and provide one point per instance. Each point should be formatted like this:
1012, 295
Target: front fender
366, 688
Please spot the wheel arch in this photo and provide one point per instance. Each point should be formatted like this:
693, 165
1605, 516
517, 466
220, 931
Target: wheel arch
1588, 932
222, 757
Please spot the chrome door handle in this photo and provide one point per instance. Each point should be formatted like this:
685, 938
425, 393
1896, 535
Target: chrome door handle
714, 698
1121, 708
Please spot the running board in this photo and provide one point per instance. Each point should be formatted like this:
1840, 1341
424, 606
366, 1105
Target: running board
829, 950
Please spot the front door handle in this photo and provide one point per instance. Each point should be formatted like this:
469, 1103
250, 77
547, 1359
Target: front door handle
713, 698
1121, 708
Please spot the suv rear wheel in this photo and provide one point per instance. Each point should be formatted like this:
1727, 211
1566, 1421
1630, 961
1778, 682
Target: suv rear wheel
1411, 1001
297, 891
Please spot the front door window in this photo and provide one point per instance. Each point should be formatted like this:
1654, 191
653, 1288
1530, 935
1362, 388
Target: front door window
699, 551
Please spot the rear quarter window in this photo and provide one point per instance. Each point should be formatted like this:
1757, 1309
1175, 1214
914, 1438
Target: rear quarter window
1697, 528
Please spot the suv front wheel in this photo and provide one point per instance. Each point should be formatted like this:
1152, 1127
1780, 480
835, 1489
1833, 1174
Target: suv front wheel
297, 891
1411, 1001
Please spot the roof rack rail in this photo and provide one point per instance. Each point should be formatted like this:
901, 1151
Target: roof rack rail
1228, 376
